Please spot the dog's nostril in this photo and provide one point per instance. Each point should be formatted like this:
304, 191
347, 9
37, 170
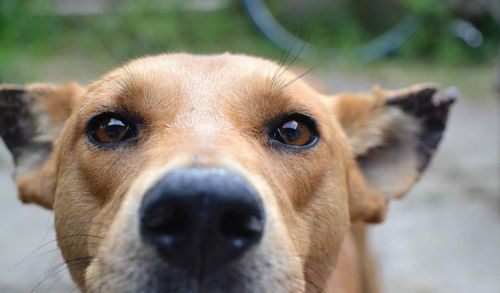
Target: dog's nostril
167, 220
240, 227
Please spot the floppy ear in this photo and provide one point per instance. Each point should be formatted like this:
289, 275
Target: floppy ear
31, 119
393, 136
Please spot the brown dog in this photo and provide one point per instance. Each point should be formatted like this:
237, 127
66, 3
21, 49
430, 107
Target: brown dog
225, 173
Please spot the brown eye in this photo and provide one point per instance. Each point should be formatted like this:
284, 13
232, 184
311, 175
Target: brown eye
295, 132
110, 129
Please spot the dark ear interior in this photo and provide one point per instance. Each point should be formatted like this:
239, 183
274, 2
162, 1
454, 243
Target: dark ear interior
19, 131
417, 121
32, 118
394, 134
431, 113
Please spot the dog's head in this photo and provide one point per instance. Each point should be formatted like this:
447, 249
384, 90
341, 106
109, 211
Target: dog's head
226, 173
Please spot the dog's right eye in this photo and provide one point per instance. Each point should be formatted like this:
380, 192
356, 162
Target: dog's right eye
110, 129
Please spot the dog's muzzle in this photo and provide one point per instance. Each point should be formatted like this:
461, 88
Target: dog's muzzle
200, 218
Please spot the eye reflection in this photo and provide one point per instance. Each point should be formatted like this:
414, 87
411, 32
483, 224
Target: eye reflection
110, 128
295, 132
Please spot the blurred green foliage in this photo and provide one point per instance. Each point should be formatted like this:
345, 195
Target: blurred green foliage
32, 34
347, 24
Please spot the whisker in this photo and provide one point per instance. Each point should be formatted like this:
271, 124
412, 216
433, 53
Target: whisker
61, 267
57, 250
57, 279
298, 53
69, 263
55, 241
281, 64
130, 73
294, 80
105, 45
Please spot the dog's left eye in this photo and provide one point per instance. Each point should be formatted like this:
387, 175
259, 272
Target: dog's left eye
110, 129
296, 131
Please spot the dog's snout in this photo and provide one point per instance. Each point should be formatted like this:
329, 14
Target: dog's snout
199, 218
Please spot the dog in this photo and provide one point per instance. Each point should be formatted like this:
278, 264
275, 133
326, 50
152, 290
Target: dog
217, 173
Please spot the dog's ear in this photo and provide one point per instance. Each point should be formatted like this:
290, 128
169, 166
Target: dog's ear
393, 136
31, 119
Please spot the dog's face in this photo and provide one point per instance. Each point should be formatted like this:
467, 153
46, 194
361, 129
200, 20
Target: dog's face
182, 173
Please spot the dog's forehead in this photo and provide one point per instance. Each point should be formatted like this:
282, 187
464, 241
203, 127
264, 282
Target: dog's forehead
185, 77
196, 83
220, 64
213, 70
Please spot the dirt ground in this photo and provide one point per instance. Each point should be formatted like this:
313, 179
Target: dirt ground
443, 237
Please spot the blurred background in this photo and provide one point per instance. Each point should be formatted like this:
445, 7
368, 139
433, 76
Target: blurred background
443, 237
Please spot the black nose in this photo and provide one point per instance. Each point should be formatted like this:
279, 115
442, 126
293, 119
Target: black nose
200, 218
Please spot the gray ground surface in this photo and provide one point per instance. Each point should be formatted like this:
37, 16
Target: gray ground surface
443, 237
28, 253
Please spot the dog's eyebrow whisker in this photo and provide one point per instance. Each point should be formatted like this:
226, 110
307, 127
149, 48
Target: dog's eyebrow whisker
108, 49
106, 46
125, 67
281, 69
298, 54
281, 63
292, 46
295, 79
285, 57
